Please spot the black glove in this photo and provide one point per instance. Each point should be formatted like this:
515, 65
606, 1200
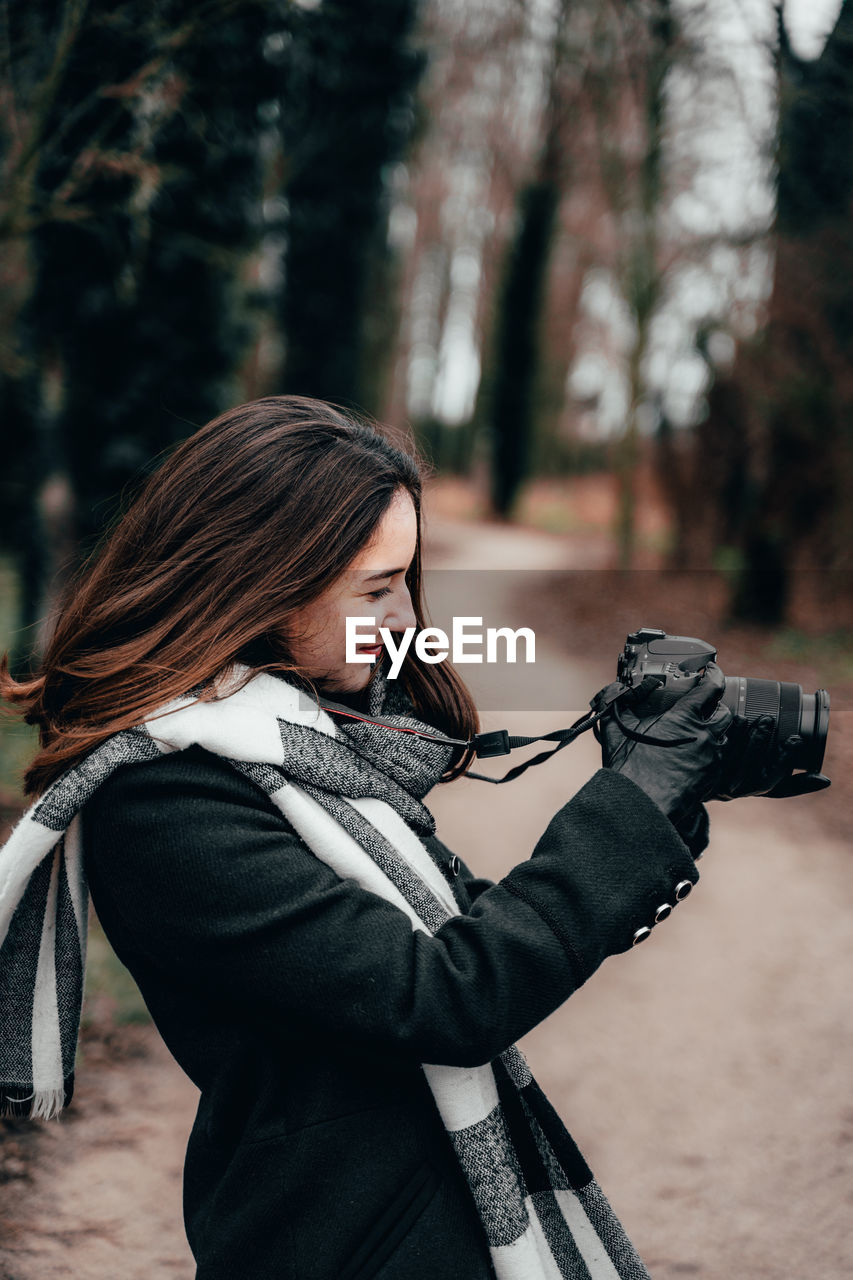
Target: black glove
678, 778
695, 831
754, 766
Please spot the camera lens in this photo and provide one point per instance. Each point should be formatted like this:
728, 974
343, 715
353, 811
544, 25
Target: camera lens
806, 714
815, 722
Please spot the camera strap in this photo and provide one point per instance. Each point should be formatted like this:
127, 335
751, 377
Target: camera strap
497, 742
648, 738
500, 742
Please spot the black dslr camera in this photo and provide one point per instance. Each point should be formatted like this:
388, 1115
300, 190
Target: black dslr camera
800, 719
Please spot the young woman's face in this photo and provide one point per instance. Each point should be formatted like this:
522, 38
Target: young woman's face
372, 586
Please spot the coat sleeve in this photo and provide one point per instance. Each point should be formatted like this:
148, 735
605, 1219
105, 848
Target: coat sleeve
204, 880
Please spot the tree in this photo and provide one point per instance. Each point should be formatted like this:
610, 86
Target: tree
509, 402
143, 181
601, 133
347, 113
513, 387
791, 506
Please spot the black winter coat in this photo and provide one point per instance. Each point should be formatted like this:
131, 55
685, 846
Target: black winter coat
302, 1006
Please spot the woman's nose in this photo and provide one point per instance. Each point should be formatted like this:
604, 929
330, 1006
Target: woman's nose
399, 612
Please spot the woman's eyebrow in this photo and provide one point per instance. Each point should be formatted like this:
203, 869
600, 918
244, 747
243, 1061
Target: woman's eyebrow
382, 573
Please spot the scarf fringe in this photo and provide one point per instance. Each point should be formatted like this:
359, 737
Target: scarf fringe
44, 1104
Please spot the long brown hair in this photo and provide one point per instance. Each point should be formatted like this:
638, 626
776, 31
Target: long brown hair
254, 515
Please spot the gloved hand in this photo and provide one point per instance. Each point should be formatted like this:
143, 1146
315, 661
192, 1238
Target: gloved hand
694, 830
754, 766
678, 778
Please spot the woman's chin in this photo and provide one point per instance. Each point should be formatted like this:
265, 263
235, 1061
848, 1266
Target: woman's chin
353, 680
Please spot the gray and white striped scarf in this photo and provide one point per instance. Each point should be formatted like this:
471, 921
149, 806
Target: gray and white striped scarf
353, 793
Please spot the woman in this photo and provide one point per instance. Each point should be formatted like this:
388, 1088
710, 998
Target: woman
268, 873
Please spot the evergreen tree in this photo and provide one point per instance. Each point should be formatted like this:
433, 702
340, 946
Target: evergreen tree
347, 114
147, 193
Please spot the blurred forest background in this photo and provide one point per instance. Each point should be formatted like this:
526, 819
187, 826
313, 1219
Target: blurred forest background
596, 256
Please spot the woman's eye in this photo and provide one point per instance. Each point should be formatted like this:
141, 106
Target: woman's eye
377, 595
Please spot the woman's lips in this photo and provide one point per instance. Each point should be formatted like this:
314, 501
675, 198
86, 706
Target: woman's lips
373, 649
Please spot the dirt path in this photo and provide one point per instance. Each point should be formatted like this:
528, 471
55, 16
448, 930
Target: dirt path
706, 1075
103, 1199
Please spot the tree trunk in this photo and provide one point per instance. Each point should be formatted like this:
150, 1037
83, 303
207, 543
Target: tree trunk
516, 355
346, 116
804, 396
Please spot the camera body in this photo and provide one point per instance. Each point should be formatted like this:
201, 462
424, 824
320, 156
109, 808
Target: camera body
678, 662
